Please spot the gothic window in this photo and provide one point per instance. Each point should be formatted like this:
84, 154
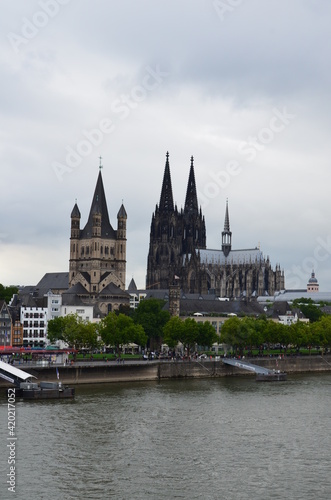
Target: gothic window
101, 249
106, 250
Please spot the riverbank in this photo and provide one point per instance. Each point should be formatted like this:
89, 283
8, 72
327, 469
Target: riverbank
133, 371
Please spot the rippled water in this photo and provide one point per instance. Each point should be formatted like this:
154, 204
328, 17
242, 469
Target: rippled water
228, 438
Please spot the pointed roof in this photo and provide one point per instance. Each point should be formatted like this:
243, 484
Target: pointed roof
132, 286
227, 220
166, 198
191, 200
99, 206
75, 212
122, 213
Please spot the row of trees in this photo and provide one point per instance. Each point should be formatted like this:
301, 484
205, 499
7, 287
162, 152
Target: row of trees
250, 332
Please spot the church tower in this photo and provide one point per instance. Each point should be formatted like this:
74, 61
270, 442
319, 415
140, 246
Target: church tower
97, 252
165, 238
174, 234
194, 230
226, 234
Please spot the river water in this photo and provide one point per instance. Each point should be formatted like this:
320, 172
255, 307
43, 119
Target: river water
226, 438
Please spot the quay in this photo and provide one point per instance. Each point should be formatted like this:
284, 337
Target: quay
90, 372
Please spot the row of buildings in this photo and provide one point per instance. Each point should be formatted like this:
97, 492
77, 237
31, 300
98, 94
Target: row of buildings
191, 278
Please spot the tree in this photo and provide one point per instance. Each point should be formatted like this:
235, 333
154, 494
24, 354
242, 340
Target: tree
55, 329
320, 332
299, 334
7, 292
230, 333
118, 330
151, 316
173, 331
73, 331
207, 335
309, 308
190, 334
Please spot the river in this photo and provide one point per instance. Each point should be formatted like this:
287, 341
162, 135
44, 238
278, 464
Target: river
226, 438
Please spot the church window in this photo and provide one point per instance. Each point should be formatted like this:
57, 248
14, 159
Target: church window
106, 250
101, 249
82, 251
87, 250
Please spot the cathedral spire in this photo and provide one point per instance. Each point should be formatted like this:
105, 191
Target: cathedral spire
191, 200
227, 220
166, 199
226, 234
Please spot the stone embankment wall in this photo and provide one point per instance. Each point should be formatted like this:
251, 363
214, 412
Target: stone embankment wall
90, 373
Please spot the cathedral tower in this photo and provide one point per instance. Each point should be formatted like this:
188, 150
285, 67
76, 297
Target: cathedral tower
173, 233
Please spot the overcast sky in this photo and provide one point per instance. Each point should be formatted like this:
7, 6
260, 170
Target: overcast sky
242, 85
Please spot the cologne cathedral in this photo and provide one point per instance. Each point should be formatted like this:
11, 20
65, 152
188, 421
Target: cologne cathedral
178, 252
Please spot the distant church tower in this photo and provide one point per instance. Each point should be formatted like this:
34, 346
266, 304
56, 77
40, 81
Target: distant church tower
98, 252
312, 285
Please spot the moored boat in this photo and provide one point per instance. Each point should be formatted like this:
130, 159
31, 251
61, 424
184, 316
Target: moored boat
44, 390
275, 376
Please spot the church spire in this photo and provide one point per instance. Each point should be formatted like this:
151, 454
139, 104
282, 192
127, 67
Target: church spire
226, 234
99, 207
166, 199
191, 200
227, 220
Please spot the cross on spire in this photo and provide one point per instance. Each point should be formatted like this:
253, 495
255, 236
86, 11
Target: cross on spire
100, 165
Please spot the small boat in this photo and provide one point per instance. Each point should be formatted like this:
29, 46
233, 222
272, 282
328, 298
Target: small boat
27, 389
44, 390
274, 376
